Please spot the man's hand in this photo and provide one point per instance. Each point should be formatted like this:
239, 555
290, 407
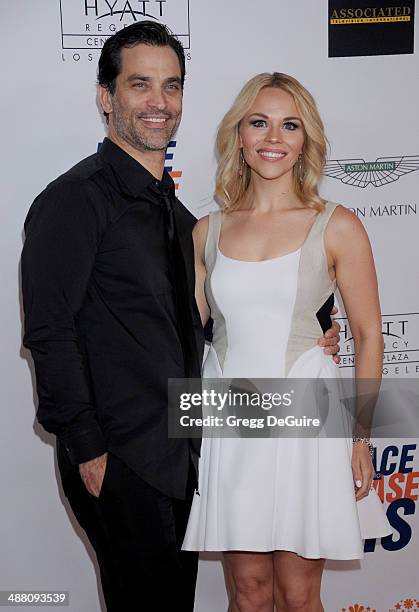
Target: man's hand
92, 473
330, 340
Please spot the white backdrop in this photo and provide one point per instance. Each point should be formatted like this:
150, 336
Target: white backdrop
50, 120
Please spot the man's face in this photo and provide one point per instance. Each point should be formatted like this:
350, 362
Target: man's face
146, 108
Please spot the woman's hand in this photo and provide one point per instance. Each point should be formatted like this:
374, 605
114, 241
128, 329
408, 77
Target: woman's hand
362, 469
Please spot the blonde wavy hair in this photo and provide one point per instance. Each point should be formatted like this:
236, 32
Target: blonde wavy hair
231, 186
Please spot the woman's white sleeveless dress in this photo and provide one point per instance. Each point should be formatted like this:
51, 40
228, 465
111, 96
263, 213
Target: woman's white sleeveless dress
265, 494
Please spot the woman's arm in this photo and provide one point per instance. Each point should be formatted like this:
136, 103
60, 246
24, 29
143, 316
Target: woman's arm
199, 236
350, 256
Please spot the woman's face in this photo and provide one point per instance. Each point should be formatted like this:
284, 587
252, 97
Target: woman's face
272, 134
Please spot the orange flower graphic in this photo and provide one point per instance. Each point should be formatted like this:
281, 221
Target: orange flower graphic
409, 604
358, 608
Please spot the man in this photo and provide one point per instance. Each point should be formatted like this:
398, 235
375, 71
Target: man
110, 315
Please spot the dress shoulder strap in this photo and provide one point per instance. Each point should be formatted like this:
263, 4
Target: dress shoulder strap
329, 209
219, 335
213, 237
314, 289
320, 224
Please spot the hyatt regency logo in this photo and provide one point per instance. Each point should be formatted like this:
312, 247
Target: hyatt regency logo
86, 24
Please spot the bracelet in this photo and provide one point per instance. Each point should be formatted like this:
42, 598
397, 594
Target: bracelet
364, 441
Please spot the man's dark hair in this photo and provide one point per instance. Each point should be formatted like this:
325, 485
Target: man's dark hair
142, 32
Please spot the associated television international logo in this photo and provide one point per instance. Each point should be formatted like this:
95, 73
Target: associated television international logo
379, 14
370, 27
175, 174
86, 24
382, 171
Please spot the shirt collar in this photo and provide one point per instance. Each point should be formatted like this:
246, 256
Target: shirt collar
133, 177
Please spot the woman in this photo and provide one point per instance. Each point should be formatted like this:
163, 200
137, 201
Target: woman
267, 266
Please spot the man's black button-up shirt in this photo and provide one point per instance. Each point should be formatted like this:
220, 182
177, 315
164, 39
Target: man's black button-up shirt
100, 315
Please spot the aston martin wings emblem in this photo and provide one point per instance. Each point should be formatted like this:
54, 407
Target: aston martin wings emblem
359, 173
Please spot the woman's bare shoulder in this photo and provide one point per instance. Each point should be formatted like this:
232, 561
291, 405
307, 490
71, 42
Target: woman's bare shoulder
201, 228
202, 224
345, 230
344, 223
200, 233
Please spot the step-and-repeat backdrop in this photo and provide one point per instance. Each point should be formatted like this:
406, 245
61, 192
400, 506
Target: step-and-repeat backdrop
357, 58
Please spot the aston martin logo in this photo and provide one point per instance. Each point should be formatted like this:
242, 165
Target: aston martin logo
359, 173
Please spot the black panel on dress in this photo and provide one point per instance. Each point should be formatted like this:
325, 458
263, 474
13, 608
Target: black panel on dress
208, 330
323, 314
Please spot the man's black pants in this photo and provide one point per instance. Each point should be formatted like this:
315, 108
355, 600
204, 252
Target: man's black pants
137, 533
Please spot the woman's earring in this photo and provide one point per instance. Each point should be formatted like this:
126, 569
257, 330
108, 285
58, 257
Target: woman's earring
300, 168
241, 162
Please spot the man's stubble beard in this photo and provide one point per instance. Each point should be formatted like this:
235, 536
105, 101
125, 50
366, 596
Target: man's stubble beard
125, 130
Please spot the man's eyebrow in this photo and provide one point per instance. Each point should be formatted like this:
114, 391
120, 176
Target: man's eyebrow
174, 79
138, 77
141, 77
